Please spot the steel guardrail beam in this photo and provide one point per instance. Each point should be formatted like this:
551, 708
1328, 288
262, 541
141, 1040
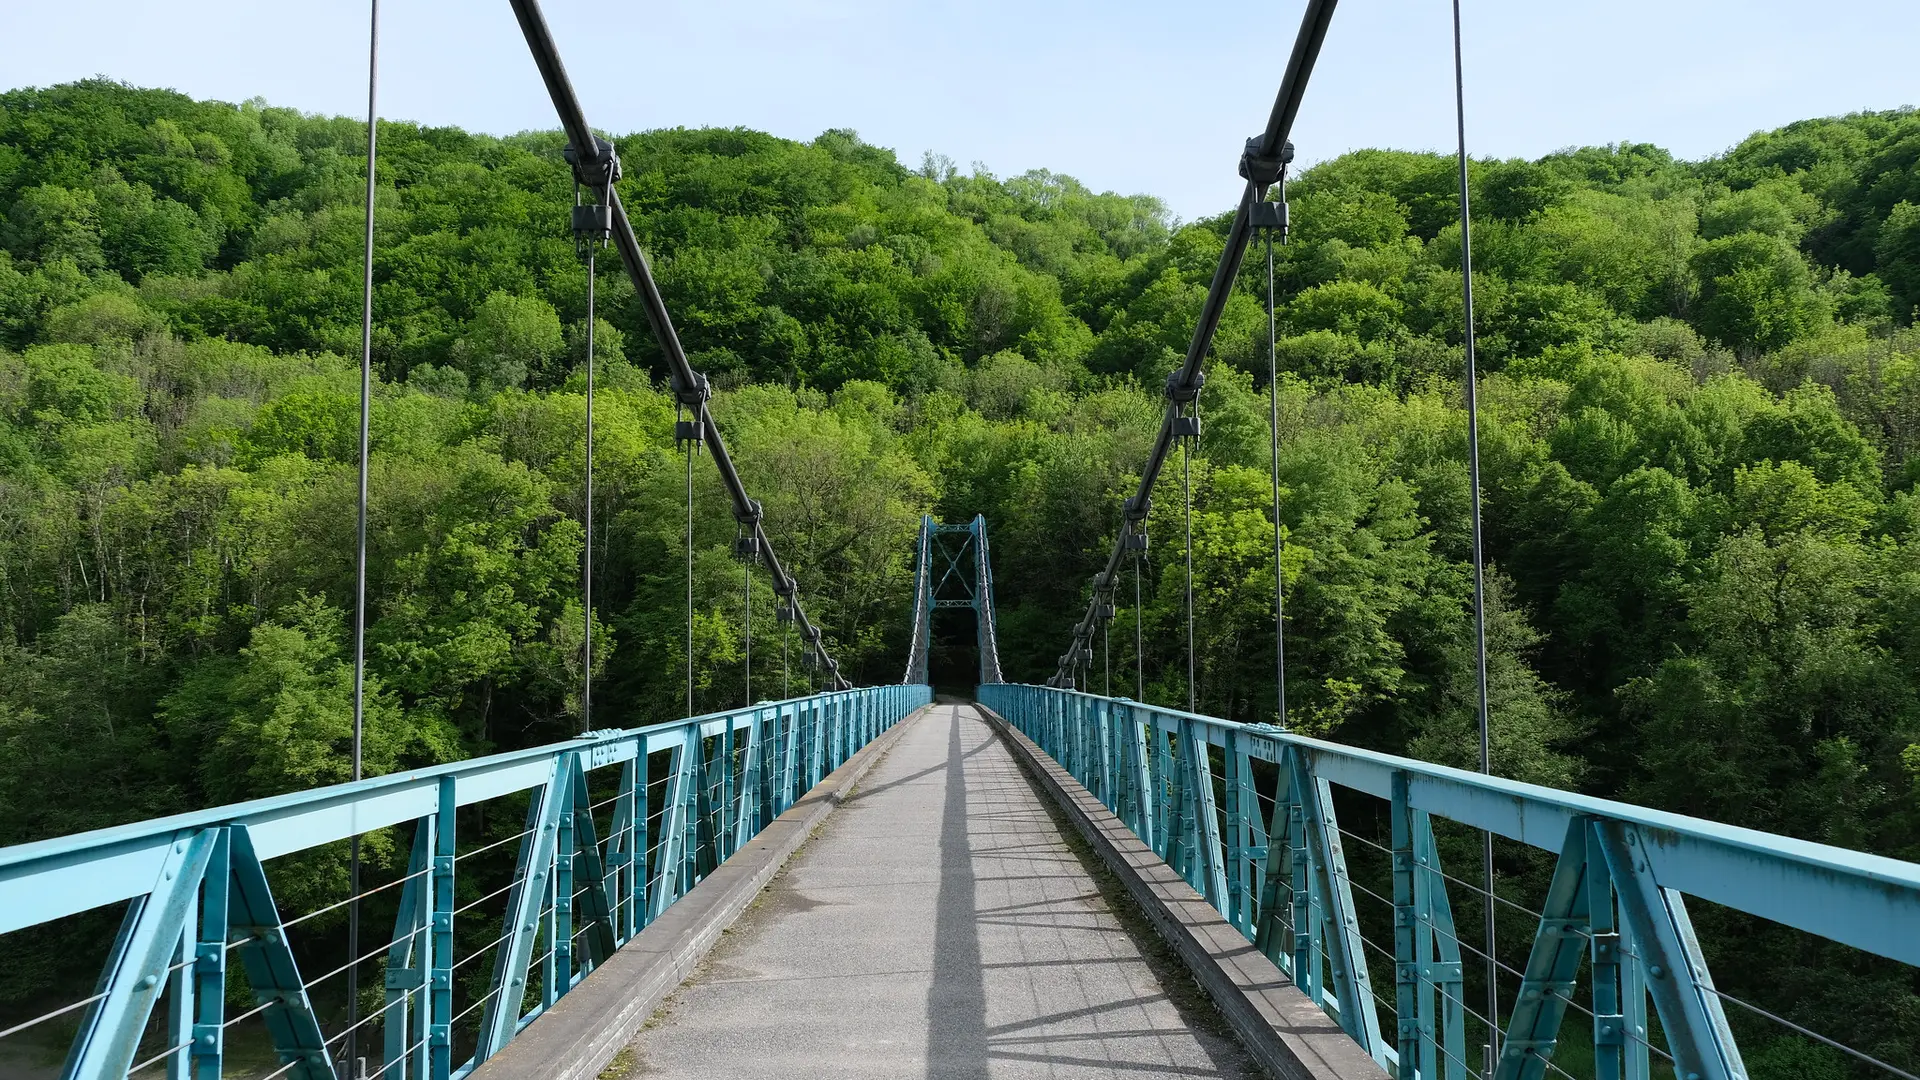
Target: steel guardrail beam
65, 875
1617, 906
1868, 901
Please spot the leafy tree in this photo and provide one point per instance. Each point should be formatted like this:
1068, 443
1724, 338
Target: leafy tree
1755, 292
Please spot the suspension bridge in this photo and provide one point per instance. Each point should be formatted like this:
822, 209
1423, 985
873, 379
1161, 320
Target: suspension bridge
1035, 880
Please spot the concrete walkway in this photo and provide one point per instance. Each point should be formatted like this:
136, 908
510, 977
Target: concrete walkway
938, 927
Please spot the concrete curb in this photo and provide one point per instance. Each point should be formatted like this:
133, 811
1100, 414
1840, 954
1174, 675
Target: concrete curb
1288, 1035
587, 1028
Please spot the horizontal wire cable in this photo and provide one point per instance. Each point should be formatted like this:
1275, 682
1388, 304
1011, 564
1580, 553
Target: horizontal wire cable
376, 952
1809, 1033
363, 895
1502, 965
44, 1017
477, 1002
476, 903
490, 847
159, 1057
250, 1013
403, 1056
297, 1062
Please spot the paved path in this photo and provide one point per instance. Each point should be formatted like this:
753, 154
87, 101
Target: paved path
936, 927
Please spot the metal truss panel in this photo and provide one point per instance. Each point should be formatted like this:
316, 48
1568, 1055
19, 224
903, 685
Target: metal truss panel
271, 970
137, 968
532, 883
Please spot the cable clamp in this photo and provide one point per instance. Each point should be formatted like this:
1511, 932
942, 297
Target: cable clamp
599, 171
1138, 507
1264, 171
751, 515
692, 395
1181, 390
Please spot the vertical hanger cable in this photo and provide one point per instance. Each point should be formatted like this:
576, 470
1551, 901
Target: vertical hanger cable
352, 1046
1479, 552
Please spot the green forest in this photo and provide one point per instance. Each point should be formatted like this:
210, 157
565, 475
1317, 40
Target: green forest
1700, 430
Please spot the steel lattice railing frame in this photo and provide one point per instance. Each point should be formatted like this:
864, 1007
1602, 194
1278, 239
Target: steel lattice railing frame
1617, 897
196, 885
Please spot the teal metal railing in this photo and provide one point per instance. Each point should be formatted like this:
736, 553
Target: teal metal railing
1617, 901
600, 856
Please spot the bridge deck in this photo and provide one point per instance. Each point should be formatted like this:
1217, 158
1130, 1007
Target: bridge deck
938, 926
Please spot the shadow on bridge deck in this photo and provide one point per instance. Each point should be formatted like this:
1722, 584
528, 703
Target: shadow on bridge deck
939, 925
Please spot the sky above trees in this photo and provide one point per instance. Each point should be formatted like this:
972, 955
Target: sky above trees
1127, 96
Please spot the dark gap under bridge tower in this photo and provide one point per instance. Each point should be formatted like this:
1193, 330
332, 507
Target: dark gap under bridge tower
952, 570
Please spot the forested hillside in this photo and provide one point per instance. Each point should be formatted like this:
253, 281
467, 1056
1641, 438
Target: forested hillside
1702, 415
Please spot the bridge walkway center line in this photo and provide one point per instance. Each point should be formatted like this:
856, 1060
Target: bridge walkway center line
937, 926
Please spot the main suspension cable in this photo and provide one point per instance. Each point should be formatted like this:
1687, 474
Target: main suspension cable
1473, 484
360, 534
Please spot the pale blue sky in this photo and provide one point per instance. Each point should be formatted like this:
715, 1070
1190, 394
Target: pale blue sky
1126, 95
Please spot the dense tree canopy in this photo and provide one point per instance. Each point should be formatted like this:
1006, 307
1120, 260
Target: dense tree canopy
1702, 411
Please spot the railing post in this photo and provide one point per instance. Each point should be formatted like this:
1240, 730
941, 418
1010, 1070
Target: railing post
1140, 804
1609, 1020
559, 973
725, 839
1676, 972
533, 877
596, 914
1444, 1024
179, 990
1307, 965
705, 837
746, 813
410, 962
1279, 930
1406, 933
1351, 983
623, 852
1242, 811
1103, 732
1176, 822
440, 976
209, 969
1208, 863
673, 822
